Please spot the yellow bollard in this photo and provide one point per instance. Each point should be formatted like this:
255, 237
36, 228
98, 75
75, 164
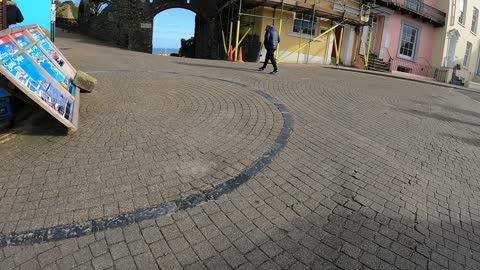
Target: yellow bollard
231, 33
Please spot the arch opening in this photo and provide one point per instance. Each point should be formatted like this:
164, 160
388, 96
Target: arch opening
174, 32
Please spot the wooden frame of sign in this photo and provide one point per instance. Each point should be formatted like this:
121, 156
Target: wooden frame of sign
28, 75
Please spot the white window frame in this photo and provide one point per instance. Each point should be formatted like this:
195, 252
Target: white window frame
415, 44
468, 53
474, 20
306, 34
462, 12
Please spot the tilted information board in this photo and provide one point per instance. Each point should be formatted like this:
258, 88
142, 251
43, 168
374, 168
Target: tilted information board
32, 62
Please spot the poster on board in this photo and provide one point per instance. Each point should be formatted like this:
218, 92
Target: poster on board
51, 51
39, 70
7, 49
22, 39
38, 56
21, 68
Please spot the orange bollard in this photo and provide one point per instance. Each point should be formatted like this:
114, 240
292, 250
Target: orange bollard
240, 56
230, 54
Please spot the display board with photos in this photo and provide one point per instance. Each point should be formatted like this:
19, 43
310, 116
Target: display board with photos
34, 64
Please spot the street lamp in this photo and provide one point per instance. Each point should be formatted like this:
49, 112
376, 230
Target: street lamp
53, 15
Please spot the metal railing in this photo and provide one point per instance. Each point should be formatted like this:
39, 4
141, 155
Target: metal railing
438, 74
419, 8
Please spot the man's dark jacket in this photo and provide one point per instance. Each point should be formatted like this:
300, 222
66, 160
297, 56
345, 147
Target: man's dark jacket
14, 15
272, 38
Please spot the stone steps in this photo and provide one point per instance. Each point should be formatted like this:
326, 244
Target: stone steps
376, 64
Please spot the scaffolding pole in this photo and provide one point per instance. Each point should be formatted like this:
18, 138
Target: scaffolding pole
370, 34
338, 46
313, 23
244, 36
240, 14
367, 56
355, 47
238, 30
300, 43
230, 34
279, 29
274, 18
305, 44
223, 34
258, 16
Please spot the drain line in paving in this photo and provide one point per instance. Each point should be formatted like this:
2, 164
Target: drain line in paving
97, 225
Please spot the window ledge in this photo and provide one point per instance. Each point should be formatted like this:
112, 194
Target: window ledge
294, 34
473, 33
461, 24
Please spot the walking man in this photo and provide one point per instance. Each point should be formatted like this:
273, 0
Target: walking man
272, 38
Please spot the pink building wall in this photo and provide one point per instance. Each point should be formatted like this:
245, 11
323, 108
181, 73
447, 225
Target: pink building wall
425, 40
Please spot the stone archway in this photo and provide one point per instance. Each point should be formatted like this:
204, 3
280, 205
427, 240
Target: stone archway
201, 30
129, 24
174, 4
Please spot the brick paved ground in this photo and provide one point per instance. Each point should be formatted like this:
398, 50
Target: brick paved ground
378, 174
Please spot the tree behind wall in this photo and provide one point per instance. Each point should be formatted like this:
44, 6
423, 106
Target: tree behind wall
94, 6
187, 48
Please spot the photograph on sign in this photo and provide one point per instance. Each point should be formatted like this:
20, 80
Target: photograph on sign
52, 52
7, 49
22, 39
36, 54
25, 72
71, 88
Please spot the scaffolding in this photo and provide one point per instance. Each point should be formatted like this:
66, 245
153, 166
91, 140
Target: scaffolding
339, 12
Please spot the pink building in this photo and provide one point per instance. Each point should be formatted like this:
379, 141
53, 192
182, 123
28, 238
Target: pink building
402, 37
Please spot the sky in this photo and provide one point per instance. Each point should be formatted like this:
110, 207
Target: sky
170, 26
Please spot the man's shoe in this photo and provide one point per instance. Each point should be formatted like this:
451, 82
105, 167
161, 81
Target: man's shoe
274, 72
261, 69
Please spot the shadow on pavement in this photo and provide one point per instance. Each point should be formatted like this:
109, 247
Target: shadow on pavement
465, 140
217, 66
438, 117
40, 123
449, 108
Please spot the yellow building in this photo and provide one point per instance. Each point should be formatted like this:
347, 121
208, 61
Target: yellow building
300, 23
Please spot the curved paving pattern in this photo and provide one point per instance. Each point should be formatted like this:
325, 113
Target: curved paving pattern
379, 174
141, 145
154, 212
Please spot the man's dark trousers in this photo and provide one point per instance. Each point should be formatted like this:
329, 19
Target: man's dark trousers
270, 56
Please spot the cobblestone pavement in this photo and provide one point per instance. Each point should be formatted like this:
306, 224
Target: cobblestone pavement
379, 173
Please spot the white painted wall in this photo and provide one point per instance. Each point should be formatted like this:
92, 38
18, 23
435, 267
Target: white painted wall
441, 48
348, 44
